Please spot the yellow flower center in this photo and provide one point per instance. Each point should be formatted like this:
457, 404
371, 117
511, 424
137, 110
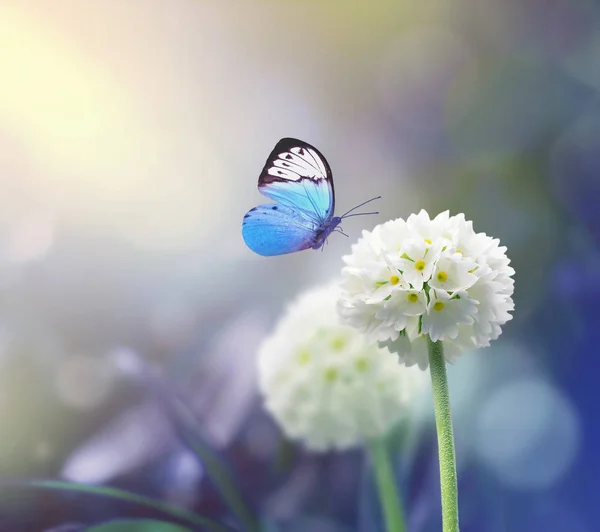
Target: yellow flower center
394, 280
331, 374
442, 277
420, 265
361, 364
413, 298
427, 241
439, 305
304, 357
338, 343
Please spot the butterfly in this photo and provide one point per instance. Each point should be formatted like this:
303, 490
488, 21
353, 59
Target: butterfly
298, 177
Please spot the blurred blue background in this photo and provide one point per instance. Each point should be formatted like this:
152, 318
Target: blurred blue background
132, 133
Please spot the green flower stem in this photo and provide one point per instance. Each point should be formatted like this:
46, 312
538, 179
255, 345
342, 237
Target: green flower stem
386, 484
443, 422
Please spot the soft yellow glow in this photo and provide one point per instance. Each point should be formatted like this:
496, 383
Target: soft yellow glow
90, 144
57, 101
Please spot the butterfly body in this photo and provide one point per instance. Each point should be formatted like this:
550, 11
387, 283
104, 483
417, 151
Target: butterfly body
298, 177
323, 233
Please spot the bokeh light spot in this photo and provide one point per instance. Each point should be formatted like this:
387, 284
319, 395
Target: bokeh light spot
84, 382
528, 434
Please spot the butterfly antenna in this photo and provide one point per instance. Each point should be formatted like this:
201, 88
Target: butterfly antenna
361, 214
358, 206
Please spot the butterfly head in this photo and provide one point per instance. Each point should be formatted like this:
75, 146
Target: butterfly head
334, 225
325, 231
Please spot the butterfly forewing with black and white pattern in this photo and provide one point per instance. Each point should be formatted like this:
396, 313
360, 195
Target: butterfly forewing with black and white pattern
298, 177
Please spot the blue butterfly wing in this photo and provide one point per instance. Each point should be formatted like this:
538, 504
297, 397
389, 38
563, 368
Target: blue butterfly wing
276, 229
297, 175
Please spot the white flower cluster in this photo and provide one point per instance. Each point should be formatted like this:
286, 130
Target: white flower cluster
408, 279
324, 384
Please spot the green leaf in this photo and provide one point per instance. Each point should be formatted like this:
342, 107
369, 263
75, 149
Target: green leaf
192, 434
188, 429
137, 525
106, 491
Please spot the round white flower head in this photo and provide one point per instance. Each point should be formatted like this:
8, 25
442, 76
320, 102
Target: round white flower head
324, 383
408, 279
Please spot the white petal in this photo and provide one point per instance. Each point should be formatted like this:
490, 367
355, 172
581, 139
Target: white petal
381, 293
446, 313
453, 272
421, 249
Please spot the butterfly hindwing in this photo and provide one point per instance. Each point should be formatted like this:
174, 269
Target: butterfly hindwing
297, 175
276, 229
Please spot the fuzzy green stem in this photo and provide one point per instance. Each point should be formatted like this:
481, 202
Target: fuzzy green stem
391, 504
443, 422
